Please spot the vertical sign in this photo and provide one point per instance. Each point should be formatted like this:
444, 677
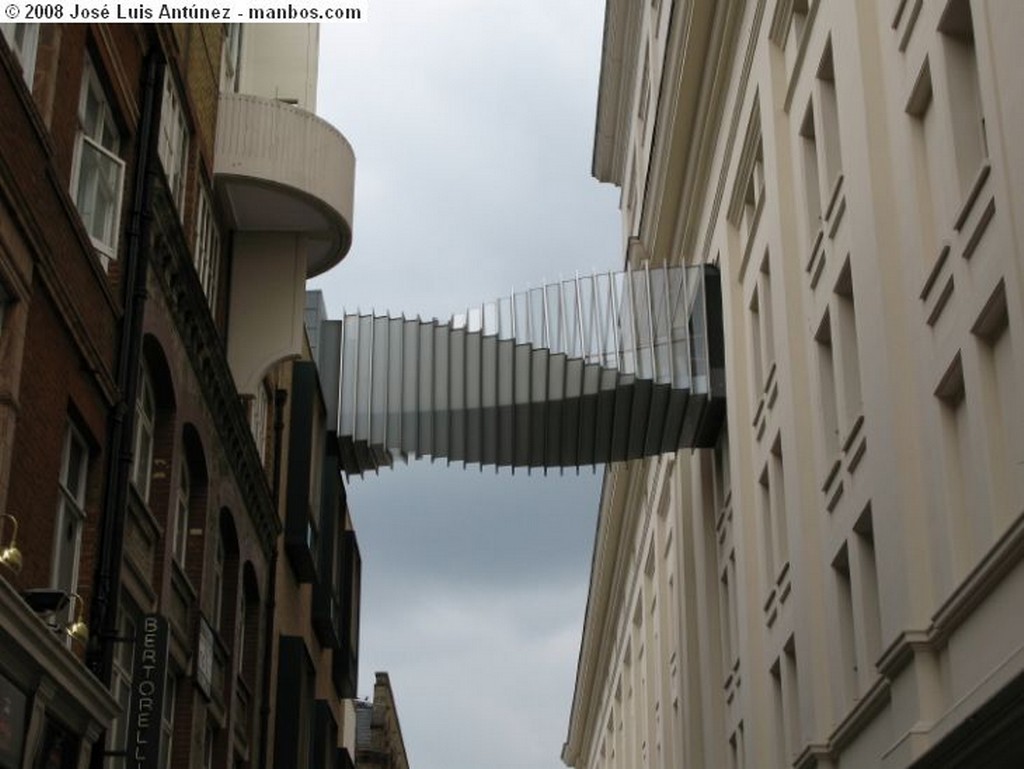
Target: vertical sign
147, 699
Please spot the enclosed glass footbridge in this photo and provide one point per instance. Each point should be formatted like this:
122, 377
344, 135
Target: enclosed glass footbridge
593, 369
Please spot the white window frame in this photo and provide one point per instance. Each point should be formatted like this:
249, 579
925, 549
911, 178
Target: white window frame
173, 144
145, 430
231, 58
206, 254
181, 514
105, 130
24, 49
70, 512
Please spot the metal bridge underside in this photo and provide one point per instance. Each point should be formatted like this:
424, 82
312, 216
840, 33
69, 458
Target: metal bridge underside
594, 369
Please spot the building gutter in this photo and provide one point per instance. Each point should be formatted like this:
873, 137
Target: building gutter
280, 399
104, 608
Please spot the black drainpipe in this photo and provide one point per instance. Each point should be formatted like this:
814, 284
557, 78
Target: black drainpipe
103, 614
280, 399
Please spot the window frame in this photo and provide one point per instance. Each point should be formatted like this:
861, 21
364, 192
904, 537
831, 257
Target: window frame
209, 745
106, 127
182, 510
167, 720
142, 472
231, 58
240, 634
259, 420
207, 249
318, 441
219, 561
173, 145
122, 676
70, 504
27, 50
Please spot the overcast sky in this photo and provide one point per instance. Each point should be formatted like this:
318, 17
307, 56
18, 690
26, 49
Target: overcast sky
472, 124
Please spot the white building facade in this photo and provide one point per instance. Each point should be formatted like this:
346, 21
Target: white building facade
838, 583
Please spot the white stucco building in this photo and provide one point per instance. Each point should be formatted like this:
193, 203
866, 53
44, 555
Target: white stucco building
839, 582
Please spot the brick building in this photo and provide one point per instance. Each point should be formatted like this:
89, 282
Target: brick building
159, 439
379, 743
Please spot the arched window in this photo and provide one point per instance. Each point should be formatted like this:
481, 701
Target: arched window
153, 435
182, 512
224, 584
145, 426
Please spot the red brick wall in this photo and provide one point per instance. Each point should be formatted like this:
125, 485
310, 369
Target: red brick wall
73, 320
71, 313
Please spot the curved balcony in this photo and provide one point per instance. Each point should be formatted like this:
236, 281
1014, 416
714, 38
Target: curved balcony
282, 169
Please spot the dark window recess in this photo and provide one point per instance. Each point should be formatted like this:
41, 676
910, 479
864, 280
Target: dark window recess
990, 736
299, 533
326, 589
292, 725
344, 759
712, 414
345, 663
59, 748
325, 737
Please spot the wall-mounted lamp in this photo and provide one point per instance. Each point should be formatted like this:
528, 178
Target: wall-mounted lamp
10, 555
48, 602
78, 630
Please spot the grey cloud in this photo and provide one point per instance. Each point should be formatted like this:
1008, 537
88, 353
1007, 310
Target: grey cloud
443, 523
472, 125
498, 686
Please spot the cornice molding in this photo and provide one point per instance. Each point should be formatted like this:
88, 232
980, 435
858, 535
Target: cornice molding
615, 89
60, 669
628, 508
190, 312
691, 99
668, 136
1004, 555
603, 606
689, 234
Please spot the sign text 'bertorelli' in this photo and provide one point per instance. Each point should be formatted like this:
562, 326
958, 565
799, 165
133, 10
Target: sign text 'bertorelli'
148, 682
